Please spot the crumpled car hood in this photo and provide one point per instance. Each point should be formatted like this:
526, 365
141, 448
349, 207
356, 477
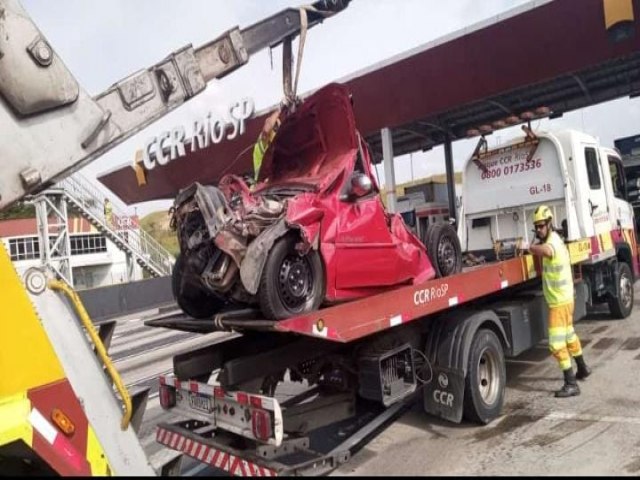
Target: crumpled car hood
314, 145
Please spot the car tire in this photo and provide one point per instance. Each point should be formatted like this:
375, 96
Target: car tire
621, 304
443, 248
191, 297
428, 233
485, 382
291, 284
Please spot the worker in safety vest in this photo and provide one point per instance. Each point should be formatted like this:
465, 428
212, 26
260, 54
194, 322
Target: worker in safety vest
557, 286
268, 133
108, 213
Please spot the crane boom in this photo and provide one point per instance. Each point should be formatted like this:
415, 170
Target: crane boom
50, 126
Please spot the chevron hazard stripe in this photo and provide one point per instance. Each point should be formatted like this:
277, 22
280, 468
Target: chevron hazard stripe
212, 456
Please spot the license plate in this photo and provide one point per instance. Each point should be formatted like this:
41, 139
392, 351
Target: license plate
204, 404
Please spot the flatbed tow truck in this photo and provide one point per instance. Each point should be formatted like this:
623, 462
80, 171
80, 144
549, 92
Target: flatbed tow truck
65, 409
443, 341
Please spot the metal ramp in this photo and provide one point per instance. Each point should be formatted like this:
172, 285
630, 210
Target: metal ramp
76, 193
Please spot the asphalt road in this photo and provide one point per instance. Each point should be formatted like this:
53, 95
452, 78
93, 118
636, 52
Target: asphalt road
596, 433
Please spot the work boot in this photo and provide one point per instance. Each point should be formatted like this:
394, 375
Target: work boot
570, 387
583, 371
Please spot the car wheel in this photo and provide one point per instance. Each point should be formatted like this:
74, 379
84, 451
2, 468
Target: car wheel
189, 295
621, 304
443, 248
428, 233
486, 378
291, 284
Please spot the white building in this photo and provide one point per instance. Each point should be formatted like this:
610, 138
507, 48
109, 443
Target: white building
95, 260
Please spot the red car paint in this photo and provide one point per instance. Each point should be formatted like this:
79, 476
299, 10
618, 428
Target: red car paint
365, 249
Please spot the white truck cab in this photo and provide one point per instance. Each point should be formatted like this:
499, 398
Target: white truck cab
580, 180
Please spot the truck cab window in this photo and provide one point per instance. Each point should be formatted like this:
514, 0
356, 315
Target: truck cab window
617, 177
591, 158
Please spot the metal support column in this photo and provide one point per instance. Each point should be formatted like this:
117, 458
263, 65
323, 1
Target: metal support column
451, 180
131, 268
389, 170
53, 234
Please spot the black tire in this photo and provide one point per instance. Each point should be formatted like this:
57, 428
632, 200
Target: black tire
291, 284
427, 234
443, 248
486, 378
191, 297
621, 304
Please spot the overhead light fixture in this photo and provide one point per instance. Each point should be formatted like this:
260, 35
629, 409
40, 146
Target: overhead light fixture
512, 120
556, 115
484, 129
473, 132
527, 116
499, 124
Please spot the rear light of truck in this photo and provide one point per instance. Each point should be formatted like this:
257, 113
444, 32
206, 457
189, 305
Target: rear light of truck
261, 424
167, 396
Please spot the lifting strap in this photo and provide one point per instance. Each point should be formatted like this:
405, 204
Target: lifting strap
291, 90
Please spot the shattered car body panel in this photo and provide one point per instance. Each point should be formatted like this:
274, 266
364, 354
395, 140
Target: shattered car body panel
305, 187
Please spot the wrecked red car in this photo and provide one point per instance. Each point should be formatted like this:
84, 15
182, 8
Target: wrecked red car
313, 231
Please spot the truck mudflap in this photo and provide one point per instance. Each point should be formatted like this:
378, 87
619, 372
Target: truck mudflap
444, 395
252, 416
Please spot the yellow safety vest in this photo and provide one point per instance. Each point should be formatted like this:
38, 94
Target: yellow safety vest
258, 155
557, 278
260, 148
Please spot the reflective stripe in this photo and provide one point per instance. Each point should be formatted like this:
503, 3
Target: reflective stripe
558, 340
553, 268
557, 283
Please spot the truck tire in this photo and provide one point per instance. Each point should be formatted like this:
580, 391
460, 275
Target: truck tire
486, 378
190, 297
621, 304
443, 248
291, 284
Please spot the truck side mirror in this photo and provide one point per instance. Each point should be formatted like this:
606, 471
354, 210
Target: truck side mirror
361, 185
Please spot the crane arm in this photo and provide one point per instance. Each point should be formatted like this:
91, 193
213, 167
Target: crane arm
50, 127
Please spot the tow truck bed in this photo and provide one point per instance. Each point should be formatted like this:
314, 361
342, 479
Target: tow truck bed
354, 320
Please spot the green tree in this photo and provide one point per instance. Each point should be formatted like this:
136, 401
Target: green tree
18, 211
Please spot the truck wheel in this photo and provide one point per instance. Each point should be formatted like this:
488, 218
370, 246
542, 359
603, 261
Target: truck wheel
291, 284
190, 297
443, 248
486, 377
621, 304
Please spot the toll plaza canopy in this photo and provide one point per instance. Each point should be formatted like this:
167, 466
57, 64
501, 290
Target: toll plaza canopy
547, 56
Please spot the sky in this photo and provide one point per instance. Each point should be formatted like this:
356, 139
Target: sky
103, 42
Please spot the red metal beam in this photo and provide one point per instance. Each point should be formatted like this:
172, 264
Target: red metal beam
560, 38
354, 320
